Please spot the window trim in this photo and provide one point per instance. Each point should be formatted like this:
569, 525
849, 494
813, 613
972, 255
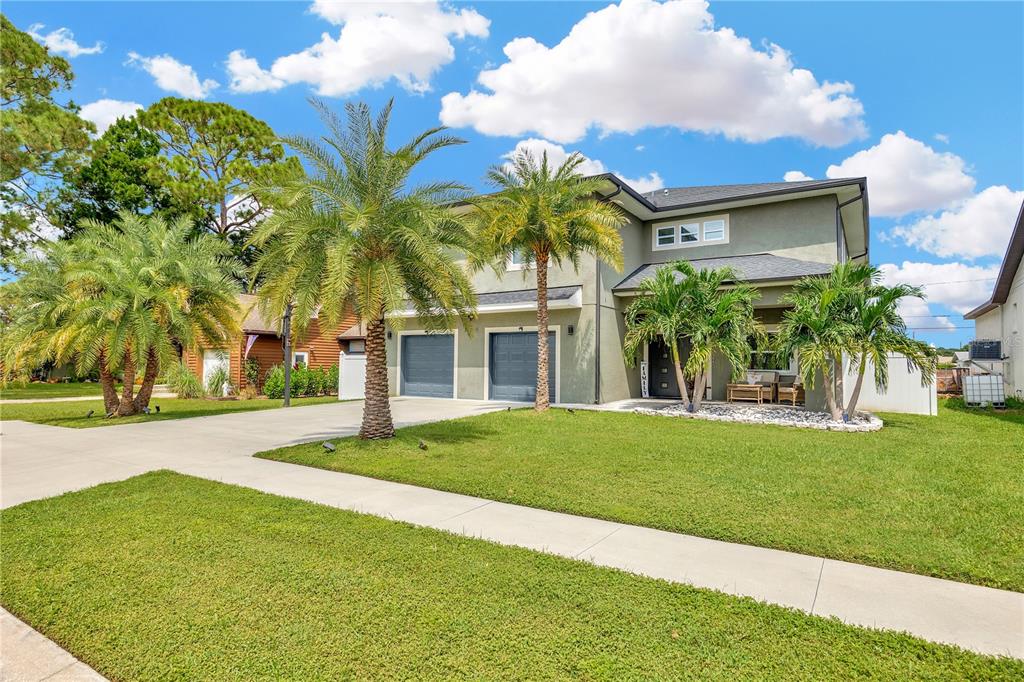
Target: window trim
678, 225
296, 353
518, 267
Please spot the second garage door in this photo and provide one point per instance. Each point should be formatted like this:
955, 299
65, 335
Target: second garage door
513, 366
427, 365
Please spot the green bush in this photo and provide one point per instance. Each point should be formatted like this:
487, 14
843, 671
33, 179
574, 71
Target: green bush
183, 382
217, 380
300, 381
273, 385
251, 368
332, 380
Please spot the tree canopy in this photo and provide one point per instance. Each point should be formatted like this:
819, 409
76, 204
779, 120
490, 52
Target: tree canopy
41, 139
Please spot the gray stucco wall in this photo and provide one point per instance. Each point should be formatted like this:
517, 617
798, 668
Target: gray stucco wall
804, 229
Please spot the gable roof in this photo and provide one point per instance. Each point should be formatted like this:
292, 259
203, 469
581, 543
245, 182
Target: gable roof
758, 267
677, 197
1007, 271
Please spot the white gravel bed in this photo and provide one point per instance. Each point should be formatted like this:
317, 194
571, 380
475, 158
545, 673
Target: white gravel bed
779, 415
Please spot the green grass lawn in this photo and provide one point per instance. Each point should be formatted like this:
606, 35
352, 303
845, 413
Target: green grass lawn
73, 413
169, 577
941, 496
24, 391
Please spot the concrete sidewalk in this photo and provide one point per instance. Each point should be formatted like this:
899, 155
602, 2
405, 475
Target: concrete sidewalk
40, 461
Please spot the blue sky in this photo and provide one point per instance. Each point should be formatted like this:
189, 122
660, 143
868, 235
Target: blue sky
927, 99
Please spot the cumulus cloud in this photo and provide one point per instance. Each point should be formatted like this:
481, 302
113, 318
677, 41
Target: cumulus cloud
976, 227
557, 155
957, 286
796, 176
62, 41
247, 76
640, 64
103, 112
407, 41
906, 175
941, 137
173, 76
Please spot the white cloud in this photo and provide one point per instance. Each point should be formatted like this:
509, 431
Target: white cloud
557, 154
62, 41
976, 227
103, 112
796, 176
173, 76
247, 76
957, 286
906, 175
407, 41
640, 64
941, 137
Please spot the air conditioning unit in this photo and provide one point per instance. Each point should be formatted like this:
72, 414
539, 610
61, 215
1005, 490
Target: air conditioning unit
985, 349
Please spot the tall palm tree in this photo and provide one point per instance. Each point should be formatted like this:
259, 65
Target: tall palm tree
354, 233
120, 298
659, 312
821, 327
879, 330
545, 215
717, 319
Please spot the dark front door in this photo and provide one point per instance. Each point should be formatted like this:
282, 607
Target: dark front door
512, 366
427, 365
661, 373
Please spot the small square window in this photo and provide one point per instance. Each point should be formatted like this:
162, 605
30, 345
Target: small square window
300, 358
516, 258
714, 230
666, 236
689, 232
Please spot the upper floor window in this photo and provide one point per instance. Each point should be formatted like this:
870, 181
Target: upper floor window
517, 262
681, 235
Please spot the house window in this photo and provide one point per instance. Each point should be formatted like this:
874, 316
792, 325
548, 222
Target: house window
666, 236
765, 358
300, 357
357, 346
714, 230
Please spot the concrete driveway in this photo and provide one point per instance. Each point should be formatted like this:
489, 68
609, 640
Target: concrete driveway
38, 461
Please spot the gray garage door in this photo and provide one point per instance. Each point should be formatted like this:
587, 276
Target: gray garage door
513, 366
427, 363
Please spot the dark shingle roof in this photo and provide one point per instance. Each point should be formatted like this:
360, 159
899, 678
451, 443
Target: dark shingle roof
682, 196
759, 267
519, 296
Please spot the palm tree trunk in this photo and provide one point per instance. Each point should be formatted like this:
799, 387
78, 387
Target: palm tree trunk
851, 408
698, 388
541, 401
830, 394
377, 421
107, 383
840, 374
148, 380
127, 405
680, 379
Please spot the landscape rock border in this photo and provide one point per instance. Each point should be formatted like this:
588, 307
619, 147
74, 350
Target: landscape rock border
774, 415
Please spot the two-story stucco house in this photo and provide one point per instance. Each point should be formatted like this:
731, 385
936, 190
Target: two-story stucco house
1001, 317
772, 234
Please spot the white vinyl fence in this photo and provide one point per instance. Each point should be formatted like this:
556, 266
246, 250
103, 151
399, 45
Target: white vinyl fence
905, 392
351, 375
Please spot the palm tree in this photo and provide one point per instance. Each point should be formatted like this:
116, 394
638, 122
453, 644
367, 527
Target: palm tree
355, 234
717, 319
123, 297
545, 215
880, 330
658, 312
821, 327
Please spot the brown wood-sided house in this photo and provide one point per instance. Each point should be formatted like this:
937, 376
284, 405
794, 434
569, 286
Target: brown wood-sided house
261, 341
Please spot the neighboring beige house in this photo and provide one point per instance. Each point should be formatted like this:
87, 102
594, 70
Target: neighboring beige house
1001, 318
772, 234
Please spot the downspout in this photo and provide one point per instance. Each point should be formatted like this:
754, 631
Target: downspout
597, 315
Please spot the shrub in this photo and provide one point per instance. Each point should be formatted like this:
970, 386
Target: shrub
300, 381
217, 380
183, 382
251, 368
332, 380
273, 385
249, 392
